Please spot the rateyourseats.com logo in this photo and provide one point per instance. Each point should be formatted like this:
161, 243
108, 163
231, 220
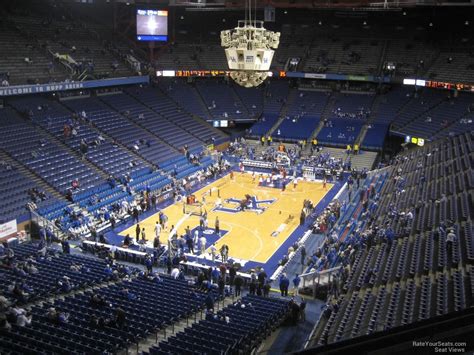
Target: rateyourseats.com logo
442, 346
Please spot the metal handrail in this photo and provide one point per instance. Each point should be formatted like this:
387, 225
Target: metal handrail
44, 222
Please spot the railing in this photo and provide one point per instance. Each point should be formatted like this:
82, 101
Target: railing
65, 63
133, 63
367, 329
45, 223
83, 76
317, 278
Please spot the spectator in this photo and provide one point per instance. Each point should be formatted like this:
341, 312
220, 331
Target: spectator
303, 310
266, 289
294, 311
175, 273
137, 231
120, 317
97, 300
303, 255
450, 239
262, 276
221, 285
23, 318
209, 302
296, 284
75, 184
149, 263
232, 274
238, 282
284, 284
66, 247
4, 324
252, 287
4, 303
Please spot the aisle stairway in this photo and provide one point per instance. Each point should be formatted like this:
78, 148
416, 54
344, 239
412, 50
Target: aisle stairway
364, 159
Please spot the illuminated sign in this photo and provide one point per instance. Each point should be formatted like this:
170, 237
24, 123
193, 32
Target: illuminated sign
168, 73
414, 140
193, 73
152, 25
188, 73
280, 74
439, 84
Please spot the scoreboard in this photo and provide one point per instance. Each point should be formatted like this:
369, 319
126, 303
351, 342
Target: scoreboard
196, 73
439, 84
190, 73
450, 86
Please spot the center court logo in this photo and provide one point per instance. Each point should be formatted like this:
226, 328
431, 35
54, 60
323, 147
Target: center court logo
250, 203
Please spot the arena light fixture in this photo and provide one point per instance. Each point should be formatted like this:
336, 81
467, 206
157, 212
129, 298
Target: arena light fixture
249, 49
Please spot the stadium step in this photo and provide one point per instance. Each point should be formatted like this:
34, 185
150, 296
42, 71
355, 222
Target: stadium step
237, 98
329, 108
139, 127
173, 329
283, 112
325, 114
446, 129
200, 120
364, 159
360, 138
203, 101
373, 116
316, 131
49, 136
414, 118
26, 171
380, 65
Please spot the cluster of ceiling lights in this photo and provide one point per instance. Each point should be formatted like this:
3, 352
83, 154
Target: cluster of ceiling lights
249, 49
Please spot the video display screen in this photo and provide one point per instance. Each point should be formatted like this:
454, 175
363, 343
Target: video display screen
152, 25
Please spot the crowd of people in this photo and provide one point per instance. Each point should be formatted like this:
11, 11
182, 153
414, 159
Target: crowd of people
20, 291
361, 113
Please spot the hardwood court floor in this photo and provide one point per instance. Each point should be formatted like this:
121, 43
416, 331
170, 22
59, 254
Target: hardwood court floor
249, 234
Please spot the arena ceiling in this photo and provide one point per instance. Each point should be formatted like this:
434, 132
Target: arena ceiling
313, 4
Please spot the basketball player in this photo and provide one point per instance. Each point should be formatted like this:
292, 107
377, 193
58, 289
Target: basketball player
241, 167
165, 222
213, 252
324, 183
274, 180
253, 176
232, 175
295, 183
217, 229
196, 238
157, 229
203, 242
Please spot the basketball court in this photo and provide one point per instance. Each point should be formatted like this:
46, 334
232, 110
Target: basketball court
254, 234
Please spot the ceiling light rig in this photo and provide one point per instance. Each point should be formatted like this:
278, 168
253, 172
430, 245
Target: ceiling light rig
249, 48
